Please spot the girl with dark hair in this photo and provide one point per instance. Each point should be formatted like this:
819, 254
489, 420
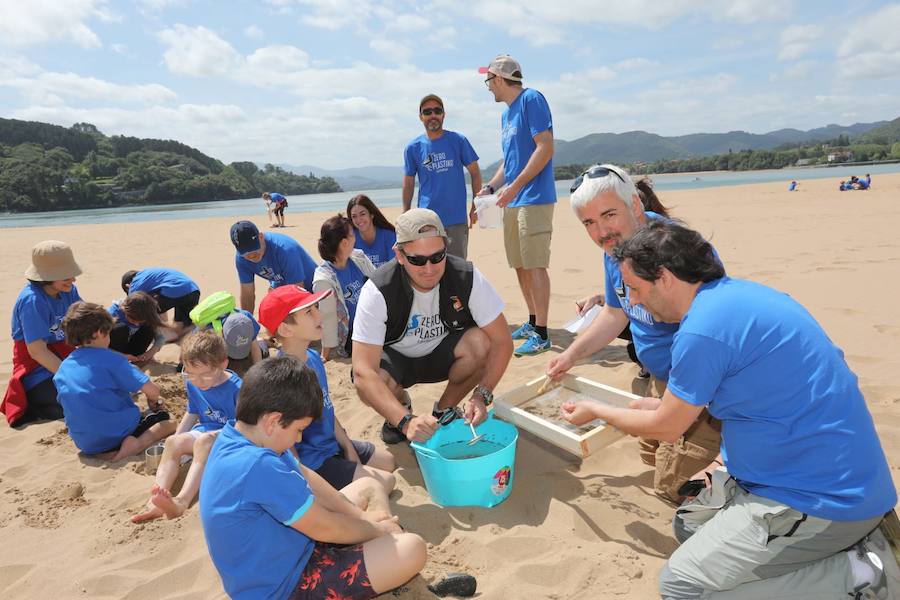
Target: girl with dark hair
344, 270
136, 327
649, 199
374, 233
39, 342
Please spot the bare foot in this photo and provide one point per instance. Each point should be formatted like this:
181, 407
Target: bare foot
163, 499
152, 512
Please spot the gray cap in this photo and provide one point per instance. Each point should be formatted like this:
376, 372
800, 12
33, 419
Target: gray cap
238, 331
410, 225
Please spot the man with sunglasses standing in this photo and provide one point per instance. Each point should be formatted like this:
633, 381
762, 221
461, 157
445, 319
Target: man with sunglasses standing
528, 195
426, 317
437, 157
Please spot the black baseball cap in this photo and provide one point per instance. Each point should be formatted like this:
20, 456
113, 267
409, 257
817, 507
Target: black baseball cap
245, 237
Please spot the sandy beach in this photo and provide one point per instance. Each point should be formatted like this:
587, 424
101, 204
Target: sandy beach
570, 529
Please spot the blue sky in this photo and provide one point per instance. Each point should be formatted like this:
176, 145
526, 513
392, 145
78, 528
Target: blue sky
336, 83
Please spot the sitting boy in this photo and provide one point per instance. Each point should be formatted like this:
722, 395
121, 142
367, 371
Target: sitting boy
274, 529
94, 386
291, 314
212, 394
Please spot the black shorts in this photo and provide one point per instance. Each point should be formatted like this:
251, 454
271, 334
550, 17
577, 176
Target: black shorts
338, 470
334, 571
279, 208
183, 306
149, 418
430, 368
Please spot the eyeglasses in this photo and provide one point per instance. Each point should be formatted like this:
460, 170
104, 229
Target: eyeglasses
429, 111
593, 173
487, 82
420, 261
203, 377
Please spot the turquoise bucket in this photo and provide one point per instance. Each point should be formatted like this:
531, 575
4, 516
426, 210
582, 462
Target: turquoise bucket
457, 474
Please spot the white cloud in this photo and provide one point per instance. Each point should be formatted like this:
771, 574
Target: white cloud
392, 50
631, 64
32, 22
752, 11
253, 32
277, 59
160, 5
797, 71
197, 51
797, 40
871, 47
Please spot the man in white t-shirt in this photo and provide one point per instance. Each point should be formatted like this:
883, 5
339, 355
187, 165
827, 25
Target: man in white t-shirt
426, 317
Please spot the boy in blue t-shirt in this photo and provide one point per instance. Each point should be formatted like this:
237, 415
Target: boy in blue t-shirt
275, 529
212, 393
291, 314
94, 386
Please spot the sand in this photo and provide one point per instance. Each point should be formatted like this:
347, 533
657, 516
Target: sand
570, 529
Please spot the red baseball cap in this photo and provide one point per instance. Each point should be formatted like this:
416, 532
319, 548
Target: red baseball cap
284, 300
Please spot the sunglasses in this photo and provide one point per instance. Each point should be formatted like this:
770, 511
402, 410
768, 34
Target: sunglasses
593, 173
419, 261
433, 111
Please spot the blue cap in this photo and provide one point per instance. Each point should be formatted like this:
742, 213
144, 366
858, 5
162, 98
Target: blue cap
245, 237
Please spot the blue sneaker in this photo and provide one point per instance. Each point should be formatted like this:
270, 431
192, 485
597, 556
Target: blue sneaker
535, 344
523, 332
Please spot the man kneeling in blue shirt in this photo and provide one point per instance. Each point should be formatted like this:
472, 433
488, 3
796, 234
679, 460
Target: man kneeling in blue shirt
274, 528
809, 476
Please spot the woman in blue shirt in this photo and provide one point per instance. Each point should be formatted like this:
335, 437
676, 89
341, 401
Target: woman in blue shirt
344, 270
374, 233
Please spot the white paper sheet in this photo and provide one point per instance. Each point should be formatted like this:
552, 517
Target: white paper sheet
579, 323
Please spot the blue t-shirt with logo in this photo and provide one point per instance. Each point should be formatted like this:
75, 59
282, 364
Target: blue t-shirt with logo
164, 282
249, 498
37, 316
318, 442
439, 165
652, 339
276, 197
285, 261
527, 116
381, 250
795, 427
215, 406
351, 279
94, 387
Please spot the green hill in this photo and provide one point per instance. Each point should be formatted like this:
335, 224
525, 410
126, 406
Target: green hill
48, 167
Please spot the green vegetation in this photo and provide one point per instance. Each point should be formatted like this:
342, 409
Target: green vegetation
47, 167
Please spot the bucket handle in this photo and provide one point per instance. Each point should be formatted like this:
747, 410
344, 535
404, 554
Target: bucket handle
425, 451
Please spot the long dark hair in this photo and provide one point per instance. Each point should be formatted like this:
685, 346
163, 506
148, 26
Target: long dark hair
648, 197
378, 217
334, 230
141, 307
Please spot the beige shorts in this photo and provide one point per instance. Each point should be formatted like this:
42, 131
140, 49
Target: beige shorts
526, 235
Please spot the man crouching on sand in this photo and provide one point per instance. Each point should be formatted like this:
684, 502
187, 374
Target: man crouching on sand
809, 478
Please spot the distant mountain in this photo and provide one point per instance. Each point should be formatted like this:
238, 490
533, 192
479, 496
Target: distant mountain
355, 178
889, 133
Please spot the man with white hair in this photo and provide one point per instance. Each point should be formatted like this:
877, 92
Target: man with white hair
605, 200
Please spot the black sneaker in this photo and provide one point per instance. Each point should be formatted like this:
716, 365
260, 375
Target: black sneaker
391, 435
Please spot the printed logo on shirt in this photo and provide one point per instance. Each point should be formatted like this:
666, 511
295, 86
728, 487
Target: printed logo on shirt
437, 162
57, 330
425, 328
636, 312
351, 292
216, 416
270, 274
456, 303
509, 131
326, 399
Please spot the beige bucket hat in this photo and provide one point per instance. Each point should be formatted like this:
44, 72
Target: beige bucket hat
52, 261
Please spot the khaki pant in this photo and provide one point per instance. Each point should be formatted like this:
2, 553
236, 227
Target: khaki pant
676, 463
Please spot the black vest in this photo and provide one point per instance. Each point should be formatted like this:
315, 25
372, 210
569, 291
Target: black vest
453, 296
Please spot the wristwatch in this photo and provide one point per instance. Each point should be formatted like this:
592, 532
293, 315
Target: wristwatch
486, 394
403, 421
489, 187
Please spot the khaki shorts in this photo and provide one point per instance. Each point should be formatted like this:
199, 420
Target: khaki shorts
526, 235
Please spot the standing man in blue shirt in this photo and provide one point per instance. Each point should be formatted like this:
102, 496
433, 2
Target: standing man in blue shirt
437, 157
808, 476
275, 257
529, 194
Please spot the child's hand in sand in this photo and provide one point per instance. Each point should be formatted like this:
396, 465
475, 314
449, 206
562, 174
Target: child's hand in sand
645, 403
578, 413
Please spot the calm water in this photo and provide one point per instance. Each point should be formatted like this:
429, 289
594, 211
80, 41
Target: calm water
391, 197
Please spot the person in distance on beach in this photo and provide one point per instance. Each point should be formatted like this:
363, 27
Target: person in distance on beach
374, 233
275, 257
437, 158
808, 476
278, 204
528, 194
425, 317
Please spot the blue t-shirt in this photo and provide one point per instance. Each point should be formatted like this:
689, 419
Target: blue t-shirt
285, 261
527, 116
249, 498
215, 406
652, 339
439, 165
318, 442
381, 250
351, 280
276, 197
94, 387
38, 316
164, 282
795, 427
792, 186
